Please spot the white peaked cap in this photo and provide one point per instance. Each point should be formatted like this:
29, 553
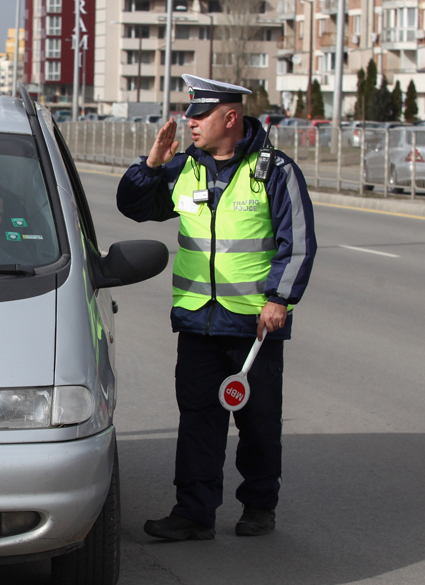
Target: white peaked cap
205, 94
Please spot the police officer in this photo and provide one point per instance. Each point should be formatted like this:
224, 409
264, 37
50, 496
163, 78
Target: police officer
246, 249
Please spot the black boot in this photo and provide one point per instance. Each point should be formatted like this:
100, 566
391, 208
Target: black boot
175, 527
255, 522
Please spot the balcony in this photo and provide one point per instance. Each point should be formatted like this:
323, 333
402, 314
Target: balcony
285, 46
400, 38
327, 42
286, 9
329, 6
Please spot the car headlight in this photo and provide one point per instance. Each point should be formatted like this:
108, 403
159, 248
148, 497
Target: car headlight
25, 408
44, 407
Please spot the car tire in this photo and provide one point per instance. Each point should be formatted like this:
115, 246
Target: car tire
97, 562
392, 180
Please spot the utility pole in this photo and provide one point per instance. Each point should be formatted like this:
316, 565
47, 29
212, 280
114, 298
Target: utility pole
167, 70
76, 62
16, 55
339, 64
139, 69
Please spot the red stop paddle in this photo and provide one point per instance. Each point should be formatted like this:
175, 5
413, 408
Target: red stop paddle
234, 391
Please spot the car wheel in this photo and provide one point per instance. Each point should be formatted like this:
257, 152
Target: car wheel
365, 180
392, 180
97, 562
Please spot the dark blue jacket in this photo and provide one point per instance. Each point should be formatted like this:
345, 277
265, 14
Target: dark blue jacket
145, 194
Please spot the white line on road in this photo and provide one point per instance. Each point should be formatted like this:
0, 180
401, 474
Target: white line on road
369, 251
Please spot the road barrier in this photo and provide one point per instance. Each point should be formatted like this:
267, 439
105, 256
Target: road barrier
392, 161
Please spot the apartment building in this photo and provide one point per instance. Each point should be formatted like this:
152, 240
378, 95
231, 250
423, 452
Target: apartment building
389, 31
49, 49
7, 61
240, 46
255, 43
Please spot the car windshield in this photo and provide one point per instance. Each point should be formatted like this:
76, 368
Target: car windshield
27, 229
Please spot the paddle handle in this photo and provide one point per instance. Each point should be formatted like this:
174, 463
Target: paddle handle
253, 354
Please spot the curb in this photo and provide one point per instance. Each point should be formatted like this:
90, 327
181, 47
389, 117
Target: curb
411, 207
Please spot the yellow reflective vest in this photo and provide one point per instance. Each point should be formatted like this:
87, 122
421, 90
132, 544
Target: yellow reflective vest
224, 254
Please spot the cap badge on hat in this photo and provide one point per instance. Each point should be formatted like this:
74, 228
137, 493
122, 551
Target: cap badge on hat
191, 93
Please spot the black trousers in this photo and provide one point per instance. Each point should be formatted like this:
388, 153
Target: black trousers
203, 364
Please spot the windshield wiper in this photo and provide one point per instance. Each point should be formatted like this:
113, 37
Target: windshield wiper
17, 270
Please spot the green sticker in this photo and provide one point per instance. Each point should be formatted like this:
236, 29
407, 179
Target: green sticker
18, 222
13, 236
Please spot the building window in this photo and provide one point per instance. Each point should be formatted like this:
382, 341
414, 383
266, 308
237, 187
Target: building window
53, 26
53, 48
223, 59
214, 6
263, 34
284, 66
53, 71
137, 31
146, 83
161, 32
255, 84
54, 5
357, 25
176, 84
178, 57
321, 26
182, 32
133, 57
301, 30
137, 5
257, 60
204, 33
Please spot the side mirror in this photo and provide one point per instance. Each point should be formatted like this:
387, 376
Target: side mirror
130, 262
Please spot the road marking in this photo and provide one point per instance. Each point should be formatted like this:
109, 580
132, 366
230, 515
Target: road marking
369, 251
159, 435
369, 210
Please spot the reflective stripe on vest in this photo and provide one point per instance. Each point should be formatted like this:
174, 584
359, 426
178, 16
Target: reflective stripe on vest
223, 255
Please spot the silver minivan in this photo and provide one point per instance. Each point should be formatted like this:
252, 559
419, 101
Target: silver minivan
59, 484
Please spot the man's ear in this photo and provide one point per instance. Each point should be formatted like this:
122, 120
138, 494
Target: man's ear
231, 118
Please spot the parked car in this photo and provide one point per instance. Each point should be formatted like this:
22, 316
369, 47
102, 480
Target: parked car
351, 134
400, 160
324, 130
271, 118
59, 482
63, 116
154, 119
294, 122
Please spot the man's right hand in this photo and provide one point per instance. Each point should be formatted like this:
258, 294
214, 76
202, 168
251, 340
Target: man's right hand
165, 146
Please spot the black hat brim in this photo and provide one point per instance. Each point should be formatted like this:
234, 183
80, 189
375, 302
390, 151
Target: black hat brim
198, 109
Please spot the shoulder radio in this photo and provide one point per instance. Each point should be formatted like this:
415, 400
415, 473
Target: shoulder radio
265, 160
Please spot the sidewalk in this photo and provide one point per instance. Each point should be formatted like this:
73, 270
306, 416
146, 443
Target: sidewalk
406, 206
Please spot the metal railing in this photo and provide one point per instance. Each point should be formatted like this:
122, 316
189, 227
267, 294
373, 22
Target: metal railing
389, 161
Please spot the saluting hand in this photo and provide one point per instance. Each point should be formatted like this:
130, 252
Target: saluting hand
165, 146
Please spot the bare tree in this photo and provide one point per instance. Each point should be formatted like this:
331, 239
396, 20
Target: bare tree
236, 37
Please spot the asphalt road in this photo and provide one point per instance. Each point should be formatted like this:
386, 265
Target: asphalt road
352, 506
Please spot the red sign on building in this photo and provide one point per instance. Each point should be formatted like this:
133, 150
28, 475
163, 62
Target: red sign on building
50, 40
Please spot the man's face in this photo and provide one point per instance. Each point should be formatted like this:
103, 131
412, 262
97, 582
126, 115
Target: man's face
208, 129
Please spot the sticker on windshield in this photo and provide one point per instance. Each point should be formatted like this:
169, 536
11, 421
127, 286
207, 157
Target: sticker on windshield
13, 236
28, 237
18, 222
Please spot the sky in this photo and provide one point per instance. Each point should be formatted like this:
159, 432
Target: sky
7, 20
